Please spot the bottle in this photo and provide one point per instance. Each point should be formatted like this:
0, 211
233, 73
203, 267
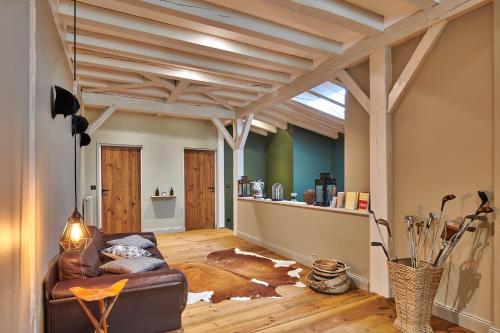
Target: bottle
171, 191
157, 192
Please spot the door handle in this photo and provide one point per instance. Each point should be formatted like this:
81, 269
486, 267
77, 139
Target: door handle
103, 191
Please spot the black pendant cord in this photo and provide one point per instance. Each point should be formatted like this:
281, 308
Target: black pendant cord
75, 92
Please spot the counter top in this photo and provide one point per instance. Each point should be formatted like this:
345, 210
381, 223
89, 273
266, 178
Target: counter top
299, 204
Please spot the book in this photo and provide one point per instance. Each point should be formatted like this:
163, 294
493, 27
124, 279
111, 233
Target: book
340, 200
364, 201
351, 200
333, 203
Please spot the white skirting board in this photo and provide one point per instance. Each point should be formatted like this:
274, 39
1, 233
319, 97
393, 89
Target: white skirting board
463, 319
168, 230
358, 281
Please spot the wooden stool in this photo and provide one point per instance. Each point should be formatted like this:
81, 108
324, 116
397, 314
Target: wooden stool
99, 295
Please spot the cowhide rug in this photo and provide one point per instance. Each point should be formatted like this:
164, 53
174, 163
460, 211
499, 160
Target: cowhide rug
238, 275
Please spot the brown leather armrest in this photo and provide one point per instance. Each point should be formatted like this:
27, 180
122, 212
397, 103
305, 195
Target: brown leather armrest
147, 235
161, 276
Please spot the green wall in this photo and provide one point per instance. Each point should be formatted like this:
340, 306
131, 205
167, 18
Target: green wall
292, 157
279, 164
254, 165
313, 154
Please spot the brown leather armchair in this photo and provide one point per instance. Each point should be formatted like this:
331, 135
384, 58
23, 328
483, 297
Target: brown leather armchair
152, 302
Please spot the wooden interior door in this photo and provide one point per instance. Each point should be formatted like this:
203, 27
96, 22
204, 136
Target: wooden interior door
199, 189
121, 189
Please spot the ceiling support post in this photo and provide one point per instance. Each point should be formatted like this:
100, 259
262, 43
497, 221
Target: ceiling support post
380, 163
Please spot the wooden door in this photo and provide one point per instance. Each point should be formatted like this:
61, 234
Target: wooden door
121, 189
199, 189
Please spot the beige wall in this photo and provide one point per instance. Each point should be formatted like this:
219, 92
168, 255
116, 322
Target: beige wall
298, 232
357, 135
443, 143
163, 141
52, 156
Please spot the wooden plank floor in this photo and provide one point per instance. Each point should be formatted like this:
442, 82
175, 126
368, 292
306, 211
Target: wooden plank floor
299, 310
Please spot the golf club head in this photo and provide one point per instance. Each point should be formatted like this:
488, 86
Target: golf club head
372, 213
471, 229
385, 224
376, 244
484, 210
409, 219
471, 217
483, 197
447, 198
431, 217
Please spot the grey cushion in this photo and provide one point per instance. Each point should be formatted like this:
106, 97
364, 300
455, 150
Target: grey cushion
125, 251
134, 240
132, 265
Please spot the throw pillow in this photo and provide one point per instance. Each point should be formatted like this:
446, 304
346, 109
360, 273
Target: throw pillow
134, 240
132, 265
125, 251
79, 264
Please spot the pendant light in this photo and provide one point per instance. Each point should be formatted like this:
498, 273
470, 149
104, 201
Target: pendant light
76, 235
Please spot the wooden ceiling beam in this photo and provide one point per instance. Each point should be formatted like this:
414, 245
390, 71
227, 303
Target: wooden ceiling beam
179, 88
212, 16
339, 12
313, 122
108, 75
271, 121
309, 125
171, 73
149, 31
220, 100
394, 34
423, 4
265, 126
154, 107
258, 131
148, 52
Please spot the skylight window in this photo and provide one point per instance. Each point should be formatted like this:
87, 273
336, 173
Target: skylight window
327, 97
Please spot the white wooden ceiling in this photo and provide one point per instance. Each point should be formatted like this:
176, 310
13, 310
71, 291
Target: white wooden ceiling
228, 58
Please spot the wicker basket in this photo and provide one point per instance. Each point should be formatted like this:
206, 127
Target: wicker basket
335, 285
325, 264
414, 291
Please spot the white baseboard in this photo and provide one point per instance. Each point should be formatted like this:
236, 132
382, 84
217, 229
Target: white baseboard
463, 319
358, 281
446, 312
165, 230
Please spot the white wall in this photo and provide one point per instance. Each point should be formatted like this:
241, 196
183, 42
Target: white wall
163, 141
36, 160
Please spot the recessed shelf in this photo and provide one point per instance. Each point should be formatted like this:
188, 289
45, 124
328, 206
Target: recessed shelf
163, 197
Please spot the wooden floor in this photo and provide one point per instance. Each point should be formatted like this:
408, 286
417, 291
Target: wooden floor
299, 310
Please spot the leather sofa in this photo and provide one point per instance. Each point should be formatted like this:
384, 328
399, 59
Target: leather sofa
151, 302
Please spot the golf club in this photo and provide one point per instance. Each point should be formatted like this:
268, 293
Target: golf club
484, 200
431, 217
386, 224
379, 231
383, 248
449, 230
445, 199
419, 226
465, 227
409, 226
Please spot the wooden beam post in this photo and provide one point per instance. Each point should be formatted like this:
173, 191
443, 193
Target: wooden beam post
231, 140
101, 120
354, 89
380, 162
413, 66
238, 169
242, 139
496, 185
